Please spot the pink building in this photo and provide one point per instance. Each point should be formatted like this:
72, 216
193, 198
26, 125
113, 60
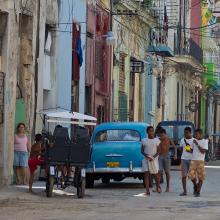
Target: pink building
98, 64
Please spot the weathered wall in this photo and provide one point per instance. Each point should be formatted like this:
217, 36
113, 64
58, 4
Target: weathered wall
18, 63
187, 83
65, 57
47, 98
98, 24
131, 40
9, 66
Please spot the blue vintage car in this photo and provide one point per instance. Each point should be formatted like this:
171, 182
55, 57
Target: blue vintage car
116, 152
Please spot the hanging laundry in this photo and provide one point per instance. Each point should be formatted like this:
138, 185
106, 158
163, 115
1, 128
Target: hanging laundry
79, 51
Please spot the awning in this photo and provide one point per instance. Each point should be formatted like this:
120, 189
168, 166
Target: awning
64, 114
161, 50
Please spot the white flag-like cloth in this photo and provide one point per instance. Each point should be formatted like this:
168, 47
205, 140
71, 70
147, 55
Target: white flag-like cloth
153, 166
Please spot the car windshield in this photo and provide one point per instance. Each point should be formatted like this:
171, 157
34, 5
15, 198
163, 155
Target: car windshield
176, 132
117, 135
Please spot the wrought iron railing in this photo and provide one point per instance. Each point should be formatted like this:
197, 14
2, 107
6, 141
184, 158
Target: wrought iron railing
191, 48
195, 51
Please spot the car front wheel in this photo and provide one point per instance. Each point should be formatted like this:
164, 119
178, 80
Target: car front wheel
89, 181
105, 180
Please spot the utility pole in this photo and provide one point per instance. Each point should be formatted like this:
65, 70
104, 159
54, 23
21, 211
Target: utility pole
184, 24
82, 70
180, 28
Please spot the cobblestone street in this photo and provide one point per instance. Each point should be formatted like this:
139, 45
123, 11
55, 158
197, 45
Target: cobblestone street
115, 201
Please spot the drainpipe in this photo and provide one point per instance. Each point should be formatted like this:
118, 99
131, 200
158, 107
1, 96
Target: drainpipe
112, 67
207, 115
215, 118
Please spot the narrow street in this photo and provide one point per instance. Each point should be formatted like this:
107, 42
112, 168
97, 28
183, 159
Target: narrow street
115, 201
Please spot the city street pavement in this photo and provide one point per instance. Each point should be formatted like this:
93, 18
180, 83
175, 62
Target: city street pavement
122, 201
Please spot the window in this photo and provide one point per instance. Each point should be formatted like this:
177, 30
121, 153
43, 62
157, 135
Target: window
100, 114
132, 79
99, 59
122, 72
47, 58
88, 100
159, 92
117, 135
177, 100
123, 107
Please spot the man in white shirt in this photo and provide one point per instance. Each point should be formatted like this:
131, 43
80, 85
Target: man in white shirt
187, 144
150, 150
197, 165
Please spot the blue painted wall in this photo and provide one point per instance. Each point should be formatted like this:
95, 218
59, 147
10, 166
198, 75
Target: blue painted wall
64, 75
151, 94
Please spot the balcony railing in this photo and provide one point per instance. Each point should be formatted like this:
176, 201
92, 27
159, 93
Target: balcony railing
195, 51
191, 49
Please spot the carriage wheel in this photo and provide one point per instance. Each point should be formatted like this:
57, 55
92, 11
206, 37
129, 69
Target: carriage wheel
49, 186
81, 188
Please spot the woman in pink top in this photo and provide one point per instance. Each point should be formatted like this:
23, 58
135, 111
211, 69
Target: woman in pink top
21, 149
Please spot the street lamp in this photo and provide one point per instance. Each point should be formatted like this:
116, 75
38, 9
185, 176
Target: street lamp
110, 39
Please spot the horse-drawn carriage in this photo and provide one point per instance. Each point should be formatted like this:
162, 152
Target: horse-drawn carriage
67, 150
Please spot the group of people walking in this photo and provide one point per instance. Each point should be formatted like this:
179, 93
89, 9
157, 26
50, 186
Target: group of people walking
155, 149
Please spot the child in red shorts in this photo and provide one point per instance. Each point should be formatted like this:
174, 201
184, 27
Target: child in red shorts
35, 158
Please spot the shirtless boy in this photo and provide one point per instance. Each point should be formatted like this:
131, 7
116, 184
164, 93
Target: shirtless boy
35, 159
164, 157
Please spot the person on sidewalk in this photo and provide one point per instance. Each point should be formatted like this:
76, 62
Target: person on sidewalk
197, 164
164, 157
21, 149
187, 144
35, 159
150, 150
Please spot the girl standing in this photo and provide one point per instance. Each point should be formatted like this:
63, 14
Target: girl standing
21, 149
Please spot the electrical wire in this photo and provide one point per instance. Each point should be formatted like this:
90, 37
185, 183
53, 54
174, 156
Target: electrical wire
139, 36
170, 27
151, 20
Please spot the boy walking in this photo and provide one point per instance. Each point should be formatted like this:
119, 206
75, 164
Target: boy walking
187, 144
164, 157
150, 150
197, 164
35, 158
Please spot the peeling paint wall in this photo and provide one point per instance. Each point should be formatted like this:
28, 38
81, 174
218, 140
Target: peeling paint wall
131, 34
18, 59
9, 67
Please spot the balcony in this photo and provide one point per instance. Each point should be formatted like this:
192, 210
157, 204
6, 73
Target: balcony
189, 55
158, 43
195, 51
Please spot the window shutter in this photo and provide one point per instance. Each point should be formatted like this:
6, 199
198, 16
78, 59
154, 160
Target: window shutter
122, 73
